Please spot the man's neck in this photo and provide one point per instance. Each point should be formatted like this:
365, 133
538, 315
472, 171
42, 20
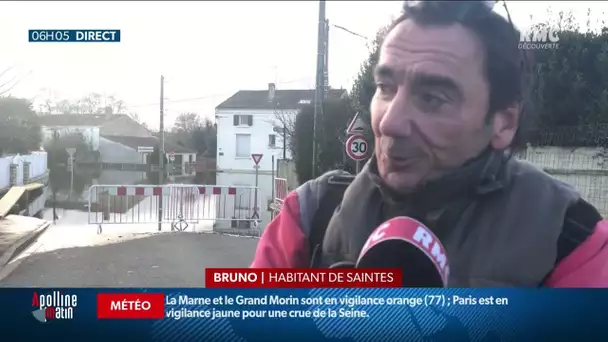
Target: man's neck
453, 185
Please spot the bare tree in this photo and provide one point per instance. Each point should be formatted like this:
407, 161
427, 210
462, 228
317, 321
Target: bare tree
7, 85
186, 123
285, 125
93, 103
117, 106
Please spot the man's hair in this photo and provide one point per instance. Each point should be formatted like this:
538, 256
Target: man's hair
505, 63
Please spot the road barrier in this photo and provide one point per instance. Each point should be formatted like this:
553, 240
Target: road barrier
281, 190
225, 209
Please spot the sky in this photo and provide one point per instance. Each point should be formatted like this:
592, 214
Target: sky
207, 51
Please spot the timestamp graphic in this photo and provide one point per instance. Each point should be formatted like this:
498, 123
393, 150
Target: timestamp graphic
74, 36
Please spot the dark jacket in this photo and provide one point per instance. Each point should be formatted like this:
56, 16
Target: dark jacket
502, 222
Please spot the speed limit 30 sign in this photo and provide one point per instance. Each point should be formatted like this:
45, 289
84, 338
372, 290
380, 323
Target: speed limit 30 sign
356, 147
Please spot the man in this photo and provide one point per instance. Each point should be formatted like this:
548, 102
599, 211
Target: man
446, 114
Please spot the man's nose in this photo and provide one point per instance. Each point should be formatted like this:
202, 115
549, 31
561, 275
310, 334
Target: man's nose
396, 121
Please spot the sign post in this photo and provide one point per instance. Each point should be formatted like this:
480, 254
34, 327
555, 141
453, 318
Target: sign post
71, 152
356, 145
171, 160
257, 157
357, 149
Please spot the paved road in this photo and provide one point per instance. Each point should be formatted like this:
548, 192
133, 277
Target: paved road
72, 254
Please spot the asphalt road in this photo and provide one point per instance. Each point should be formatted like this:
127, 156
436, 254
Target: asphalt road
72, 254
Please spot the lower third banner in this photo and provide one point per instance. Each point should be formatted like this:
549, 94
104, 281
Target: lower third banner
395, 314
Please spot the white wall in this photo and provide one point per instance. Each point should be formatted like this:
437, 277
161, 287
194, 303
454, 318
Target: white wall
90, 133
38, 167
5, 175
38, 163
263, 124
584, 168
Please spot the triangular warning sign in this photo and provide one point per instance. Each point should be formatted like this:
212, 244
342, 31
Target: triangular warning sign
256, 158
356, 126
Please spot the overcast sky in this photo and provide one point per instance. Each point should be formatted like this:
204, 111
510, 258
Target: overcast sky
206, 50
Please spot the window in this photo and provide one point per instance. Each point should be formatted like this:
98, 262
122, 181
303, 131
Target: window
243, 120
243, 145
272, 140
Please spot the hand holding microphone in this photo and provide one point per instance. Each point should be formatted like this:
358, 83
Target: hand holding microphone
407, 244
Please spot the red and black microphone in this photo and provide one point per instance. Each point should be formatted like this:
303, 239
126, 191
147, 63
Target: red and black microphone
409, 245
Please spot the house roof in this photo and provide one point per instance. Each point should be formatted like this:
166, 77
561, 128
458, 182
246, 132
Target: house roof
77, 119
284, 99
135, 142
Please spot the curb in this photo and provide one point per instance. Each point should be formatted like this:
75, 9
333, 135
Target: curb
19, 246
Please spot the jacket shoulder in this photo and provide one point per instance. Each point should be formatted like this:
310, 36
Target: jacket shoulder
310, 194
318, 186
524, 174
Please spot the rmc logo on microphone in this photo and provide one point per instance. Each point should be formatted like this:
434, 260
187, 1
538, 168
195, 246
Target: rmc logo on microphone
425, 239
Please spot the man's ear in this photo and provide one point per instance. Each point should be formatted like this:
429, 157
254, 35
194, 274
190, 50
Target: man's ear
504, 126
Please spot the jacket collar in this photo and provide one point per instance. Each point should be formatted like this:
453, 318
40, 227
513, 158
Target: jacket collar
479, 176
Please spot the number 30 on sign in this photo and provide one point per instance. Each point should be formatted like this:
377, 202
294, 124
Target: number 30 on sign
356, 147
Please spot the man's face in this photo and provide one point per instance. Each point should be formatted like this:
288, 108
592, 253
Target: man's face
430, 105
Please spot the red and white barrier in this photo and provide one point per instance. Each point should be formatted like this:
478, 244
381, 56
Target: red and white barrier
280, 186
118, 190
144, 204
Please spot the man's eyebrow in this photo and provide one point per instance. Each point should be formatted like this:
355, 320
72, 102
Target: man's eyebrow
439, 81
384, 71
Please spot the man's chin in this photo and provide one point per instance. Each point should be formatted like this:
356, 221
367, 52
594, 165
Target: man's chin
400, 182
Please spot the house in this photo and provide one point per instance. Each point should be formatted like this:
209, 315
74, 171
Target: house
91, 126
247, 124
117, 138
125, 149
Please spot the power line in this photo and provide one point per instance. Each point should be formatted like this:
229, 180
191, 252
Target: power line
351, 32
205, 97
180, 100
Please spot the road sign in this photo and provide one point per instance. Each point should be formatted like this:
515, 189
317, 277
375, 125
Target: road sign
70, 151
356, 147
256, 157
171, 156
145, 149
356, 126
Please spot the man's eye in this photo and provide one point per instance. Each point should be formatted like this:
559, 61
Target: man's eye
432, 101
383, 88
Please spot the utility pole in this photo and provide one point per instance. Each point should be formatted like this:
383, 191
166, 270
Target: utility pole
319, 93
326, 59
284, 143
161, 151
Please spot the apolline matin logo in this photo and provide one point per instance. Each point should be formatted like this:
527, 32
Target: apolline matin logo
539, 38
54, 306
78, 36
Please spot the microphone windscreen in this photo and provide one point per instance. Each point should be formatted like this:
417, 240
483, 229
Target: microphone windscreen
405, 243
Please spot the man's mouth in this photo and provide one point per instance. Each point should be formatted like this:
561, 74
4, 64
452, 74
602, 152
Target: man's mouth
401, 161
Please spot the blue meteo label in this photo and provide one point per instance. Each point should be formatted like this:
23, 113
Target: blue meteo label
79, 36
